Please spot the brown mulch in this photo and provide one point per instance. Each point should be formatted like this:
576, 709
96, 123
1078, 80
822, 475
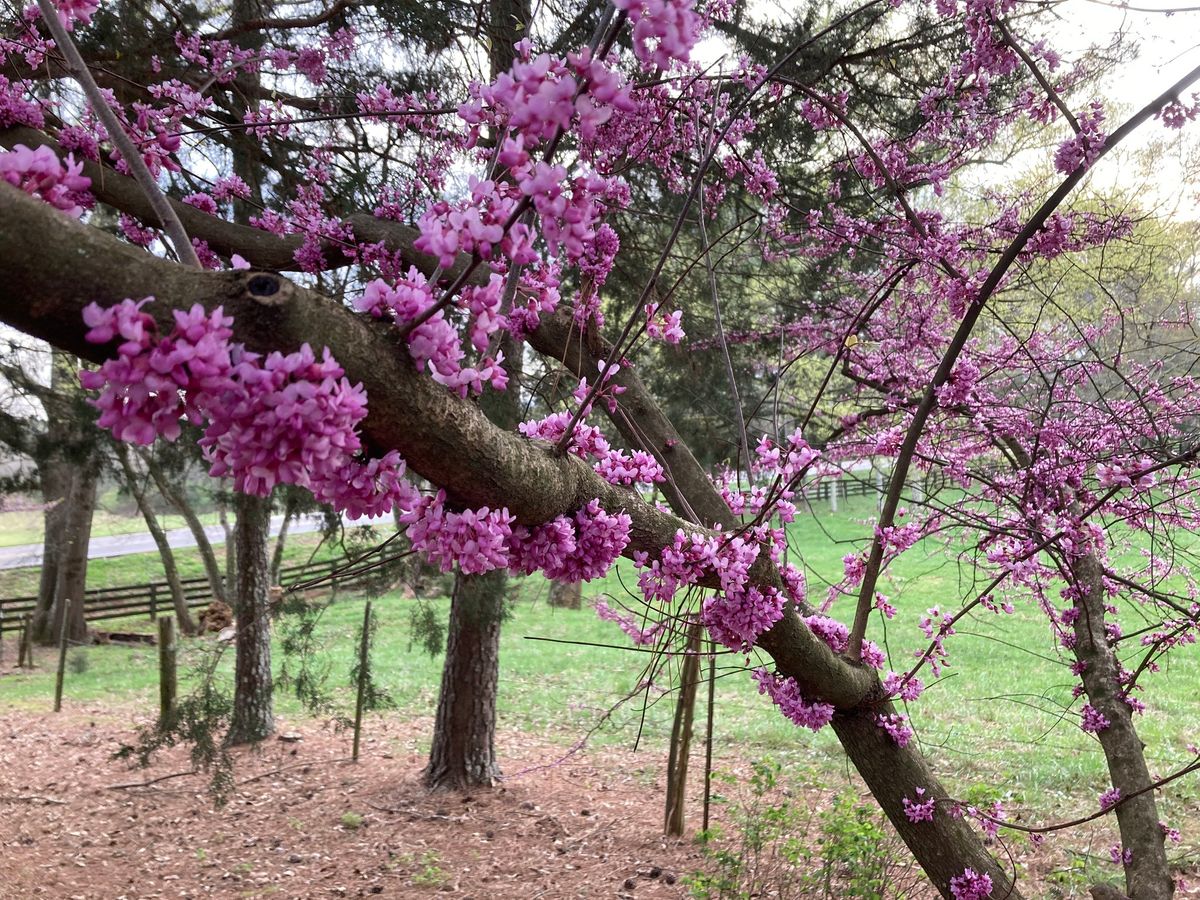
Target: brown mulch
306, 823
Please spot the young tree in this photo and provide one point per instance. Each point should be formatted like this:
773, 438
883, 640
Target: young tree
922, 364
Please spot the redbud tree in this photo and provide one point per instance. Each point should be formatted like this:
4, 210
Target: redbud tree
424, 228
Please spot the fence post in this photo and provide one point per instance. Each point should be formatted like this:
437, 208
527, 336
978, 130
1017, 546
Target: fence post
167, 682
1, 632
153, 601
25, 653
364, 647
833, 494
62, 654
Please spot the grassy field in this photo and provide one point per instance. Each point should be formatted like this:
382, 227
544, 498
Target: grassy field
1000, 719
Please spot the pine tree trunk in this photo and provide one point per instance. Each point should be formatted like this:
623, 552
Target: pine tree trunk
134, 481
73, 562
253, 715
178, 499
463, 753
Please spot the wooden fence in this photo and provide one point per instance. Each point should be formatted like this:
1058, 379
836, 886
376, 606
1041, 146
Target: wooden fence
154, 597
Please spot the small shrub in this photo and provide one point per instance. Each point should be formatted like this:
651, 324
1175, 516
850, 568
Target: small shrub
78, 662
351, 821
779, 847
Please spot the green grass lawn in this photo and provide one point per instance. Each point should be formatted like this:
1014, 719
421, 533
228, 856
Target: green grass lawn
1000, 717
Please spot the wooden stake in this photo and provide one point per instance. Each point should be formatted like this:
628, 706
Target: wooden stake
167, 679
62, 655
681, 733
25, 644
364, 647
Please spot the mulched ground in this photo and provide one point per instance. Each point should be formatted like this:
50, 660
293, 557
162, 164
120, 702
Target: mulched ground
305, 822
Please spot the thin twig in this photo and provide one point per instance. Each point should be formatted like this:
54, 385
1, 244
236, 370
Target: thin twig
184, 252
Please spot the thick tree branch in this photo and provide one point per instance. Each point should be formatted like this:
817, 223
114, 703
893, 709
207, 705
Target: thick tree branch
260, 248
52, 267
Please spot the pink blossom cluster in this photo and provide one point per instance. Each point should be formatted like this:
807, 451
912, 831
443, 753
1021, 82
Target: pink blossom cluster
286, 418
920, 809
435, 344
897, 727
667, 327
1092, 720
1109, 798
907, 688
40, 173
613, 465
579, 547
640, 635
664, 31
476, 540
971, 885
72, 11
280, 419
785, 693
837, 636
1084, 147
154, 382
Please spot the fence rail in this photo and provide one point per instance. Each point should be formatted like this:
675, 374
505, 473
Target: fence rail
154, 597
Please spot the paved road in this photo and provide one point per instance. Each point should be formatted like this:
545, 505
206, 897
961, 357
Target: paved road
29, 555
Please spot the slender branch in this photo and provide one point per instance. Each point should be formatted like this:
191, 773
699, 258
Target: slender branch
184, 251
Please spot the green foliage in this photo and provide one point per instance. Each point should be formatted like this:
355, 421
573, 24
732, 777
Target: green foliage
78, 661
374, 695
427, 628
305, 666
351, 821
199, 721
772, 852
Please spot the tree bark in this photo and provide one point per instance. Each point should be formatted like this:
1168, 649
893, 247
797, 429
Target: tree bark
55, 476
175, 495
253, 714
134, 481
73, 562
230, 541
463, 753
1147, 875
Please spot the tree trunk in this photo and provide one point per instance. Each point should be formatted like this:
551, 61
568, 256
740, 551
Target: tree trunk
134, 481
289, 513
253, 715
55, 474
566, 594
73, 562
944, 847
1147, 875
681, 734
230, 542
463, 753
175, 495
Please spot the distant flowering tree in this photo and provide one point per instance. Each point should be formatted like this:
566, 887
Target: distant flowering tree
1051, 429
